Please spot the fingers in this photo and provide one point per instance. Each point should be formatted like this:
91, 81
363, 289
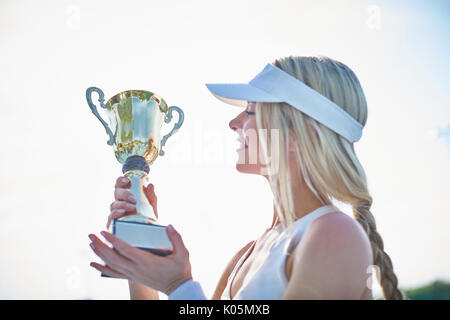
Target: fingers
125, 249
177, 242
110, 256
107, 270
123, 182
121, 194
116, 214
122, 205
125, 202
119, 209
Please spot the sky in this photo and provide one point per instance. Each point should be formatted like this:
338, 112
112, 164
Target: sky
58, 174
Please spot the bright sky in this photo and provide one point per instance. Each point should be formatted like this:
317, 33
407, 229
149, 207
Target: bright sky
57, 172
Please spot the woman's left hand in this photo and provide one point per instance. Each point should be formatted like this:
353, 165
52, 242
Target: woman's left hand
164, 274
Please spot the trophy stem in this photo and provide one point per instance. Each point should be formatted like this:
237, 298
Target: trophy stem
136, 169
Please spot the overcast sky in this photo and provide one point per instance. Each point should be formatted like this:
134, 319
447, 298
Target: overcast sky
57, 172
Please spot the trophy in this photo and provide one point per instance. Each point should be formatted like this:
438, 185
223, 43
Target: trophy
136, 118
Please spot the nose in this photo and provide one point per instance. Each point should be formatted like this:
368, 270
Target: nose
235, 124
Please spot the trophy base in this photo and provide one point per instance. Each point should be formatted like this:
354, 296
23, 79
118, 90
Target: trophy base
145, 236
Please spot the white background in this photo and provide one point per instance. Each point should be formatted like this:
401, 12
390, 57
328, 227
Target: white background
57, 172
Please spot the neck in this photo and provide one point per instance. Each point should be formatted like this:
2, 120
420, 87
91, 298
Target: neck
304, 201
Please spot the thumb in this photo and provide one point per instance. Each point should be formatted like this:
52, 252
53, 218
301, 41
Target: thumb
176, 240
151, 197
150, 192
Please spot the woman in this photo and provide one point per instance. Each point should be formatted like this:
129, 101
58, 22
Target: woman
310, 110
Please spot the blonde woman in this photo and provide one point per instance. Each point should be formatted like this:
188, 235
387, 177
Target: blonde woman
304, 114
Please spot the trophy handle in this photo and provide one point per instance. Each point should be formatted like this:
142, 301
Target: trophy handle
101, 99
175, 127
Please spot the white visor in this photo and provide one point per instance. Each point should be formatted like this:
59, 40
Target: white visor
274, 85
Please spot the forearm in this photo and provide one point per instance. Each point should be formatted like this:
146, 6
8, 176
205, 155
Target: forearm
139, 291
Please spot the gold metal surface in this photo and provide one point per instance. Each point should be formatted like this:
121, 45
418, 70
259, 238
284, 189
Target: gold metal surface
135, 121
136, 118
140, 94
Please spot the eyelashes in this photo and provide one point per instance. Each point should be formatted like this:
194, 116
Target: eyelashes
250, 112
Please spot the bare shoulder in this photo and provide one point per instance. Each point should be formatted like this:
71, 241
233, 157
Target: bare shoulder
337, 222
337, 229
331, 260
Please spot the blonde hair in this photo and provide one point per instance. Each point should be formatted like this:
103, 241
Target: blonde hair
327, 161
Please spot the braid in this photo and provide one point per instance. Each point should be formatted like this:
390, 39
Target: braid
380, 258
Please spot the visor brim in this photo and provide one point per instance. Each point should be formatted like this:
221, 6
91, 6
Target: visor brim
239, 94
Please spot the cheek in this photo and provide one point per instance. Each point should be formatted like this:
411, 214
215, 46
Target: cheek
250, 123
250, 130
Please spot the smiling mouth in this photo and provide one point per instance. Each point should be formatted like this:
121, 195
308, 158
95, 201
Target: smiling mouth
243, 144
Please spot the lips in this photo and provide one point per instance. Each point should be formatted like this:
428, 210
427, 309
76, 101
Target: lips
242, 142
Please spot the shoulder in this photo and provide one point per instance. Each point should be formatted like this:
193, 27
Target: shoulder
337, 234
332, 258
336, 229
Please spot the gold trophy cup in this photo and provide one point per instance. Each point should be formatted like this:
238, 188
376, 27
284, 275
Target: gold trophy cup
135, 119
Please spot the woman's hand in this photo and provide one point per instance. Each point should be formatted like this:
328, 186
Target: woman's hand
125, 203
124, 261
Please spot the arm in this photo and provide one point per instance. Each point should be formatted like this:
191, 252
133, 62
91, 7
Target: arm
192, 290
331, 260
229, 268
137, 290
140, 292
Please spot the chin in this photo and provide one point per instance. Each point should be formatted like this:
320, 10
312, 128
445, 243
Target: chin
248, 168
243, 167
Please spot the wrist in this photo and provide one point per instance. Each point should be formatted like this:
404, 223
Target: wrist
176, 284
188, 290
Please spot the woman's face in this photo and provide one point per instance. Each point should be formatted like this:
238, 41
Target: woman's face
249, 155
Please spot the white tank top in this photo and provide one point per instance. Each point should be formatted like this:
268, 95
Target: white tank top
269, 281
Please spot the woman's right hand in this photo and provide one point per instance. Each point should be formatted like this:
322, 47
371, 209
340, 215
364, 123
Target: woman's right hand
125, 203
